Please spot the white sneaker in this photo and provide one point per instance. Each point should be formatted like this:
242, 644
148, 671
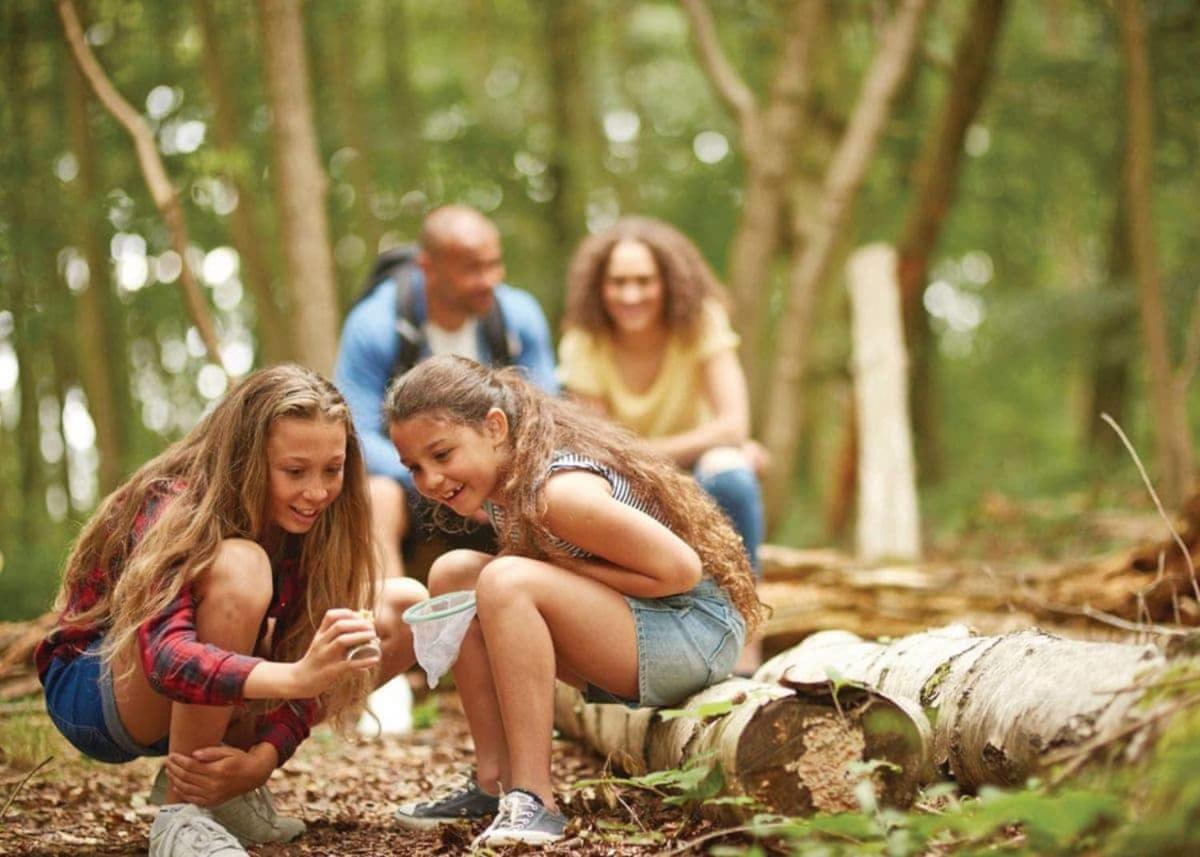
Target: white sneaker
522, 819
250, 817
186, 830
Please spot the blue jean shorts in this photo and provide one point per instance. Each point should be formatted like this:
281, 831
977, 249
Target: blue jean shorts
80, 701
685, 643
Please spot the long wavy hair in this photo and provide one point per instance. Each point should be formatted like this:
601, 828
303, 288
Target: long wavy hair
216, 479
687, 278
462, 391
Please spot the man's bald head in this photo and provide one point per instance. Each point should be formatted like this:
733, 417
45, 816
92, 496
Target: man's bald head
463, 263
455, 225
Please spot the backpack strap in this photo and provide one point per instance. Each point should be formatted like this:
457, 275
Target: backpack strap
409, 337
503, 344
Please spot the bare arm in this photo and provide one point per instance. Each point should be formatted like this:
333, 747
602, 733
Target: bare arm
633, 553
729, 400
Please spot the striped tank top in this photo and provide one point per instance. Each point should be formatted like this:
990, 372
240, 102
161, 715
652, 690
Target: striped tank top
621, 489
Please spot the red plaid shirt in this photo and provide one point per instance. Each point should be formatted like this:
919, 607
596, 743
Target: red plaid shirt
177, 664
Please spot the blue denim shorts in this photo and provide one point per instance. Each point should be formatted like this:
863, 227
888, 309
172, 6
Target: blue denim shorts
685, 643
80, 701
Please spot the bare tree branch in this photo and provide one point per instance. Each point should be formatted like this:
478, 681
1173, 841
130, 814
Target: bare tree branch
721, 72
161, 190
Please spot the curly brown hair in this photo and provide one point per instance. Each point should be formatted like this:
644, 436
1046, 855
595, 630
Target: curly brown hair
687, 278
218, 474
540, 426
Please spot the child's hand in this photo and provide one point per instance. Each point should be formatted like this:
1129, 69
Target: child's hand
212, 775
326, 659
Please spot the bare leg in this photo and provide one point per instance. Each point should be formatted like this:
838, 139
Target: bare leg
538, 620
389, 522
233, 593
397, 594
453, 572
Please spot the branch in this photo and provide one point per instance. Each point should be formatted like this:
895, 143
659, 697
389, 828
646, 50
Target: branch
166, 200
721, 73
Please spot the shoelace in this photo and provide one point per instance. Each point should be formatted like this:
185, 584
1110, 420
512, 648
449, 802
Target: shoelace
520, 811
201, 833
467, 786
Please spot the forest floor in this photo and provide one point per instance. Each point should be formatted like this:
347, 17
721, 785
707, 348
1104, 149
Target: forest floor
346, 792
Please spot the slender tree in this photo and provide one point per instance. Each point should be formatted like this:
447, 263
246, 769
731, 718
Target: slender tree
889, 68
936, 178
770, 134
101, 344
300, 185
166, 199
1176, 463
245, 231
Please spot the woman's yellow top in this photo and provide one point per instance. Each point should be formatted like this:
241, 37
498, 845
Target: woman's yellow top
675, 402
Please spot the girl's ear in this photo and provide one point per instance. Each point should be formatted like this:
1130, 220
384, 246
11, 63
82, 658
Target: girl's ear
495, 426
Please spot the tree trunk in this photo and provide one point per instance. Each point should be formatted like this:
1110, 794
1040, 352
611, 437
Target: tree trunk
787, 748
1112, 347
565, 28
100, 339
888, 519
937, 176
842, 182
403, 142
1176, 465
166, 200
354, 134
769, 138
300, 186
1002, 708
21, 283
245, 233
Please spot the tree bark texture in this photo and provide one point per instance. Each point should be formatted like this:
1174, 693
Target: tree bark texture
888, 519
788, 748
1112, 348
300, 186
1002, 708
1176, 464
936, 178
770, 135
245, 233
842, 181
166, 200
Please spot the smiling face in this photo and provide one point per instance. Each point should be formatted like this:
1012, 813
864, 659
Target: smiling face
632, 291
454, 464
306, 461
462, 274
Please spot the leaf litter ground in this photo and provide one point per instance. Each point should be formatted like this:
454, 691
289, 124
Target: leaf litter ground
345, 791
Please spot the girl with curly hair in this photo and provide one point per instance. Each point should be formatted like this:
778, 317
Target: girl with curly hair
616, 573
209, 607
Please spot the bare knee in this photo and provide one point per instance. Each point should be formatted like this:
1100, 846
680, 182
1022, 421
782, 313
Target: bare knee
719, 459
397, 595
456, 570
239, 578
503, 581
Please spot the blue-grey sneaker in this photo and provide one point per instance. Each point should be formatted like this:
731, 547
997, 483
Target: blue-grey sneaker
466, 803
522, 819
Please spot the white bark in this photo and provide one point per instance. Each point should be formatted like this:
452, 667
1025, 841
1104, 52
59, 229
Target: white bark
888, 525
1002, 707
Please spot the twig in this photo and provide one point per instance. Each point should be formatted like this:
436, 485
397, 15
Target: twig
1187, 556
21, 784
728, 831
1090, 612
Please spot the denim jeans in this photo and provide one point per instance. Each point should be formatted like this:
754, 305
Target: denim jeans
738, 494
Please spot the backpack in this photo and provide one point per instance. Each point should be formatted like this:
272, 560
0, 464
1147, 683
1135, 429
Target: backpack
398, 264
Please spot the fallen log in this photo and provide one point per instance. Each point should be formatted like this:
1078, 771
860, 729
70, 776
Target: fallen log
1002, 708
791, 750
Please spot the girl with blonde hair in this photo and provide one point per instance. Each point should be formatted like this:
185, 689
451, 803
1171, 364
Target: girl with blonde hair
209, 606
616, 573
